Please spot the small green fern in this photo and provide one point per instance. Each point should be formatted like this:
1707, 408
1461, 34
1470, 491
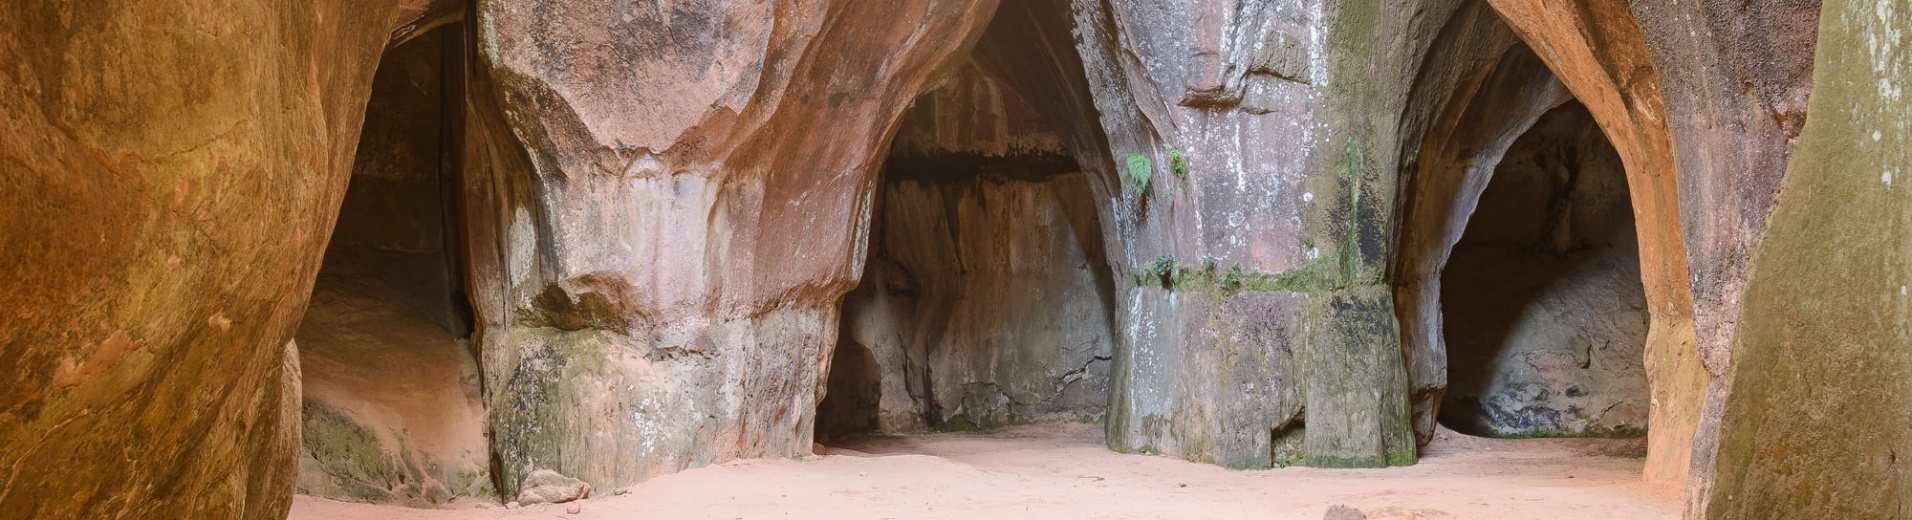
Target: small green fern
1177, 162
1178, 165
1137, 170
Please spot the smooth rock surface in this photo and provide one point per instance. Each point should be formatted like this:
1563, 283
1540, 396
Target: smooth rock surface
169, 174
1819, 409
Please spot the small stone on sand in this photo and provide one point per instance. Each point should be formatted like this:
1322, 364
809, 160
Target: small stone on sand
1341, 512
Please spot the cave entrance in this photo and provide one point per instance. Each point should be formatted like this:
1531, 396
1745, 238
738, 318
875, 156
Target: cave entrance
392, 411
849, 406
1545, 314
985, 297
1519, 277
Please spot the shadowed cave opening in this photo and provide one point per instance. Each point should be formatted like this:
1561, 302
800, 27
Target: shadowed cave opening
391, 399
1545, 316
985, 296
982, 301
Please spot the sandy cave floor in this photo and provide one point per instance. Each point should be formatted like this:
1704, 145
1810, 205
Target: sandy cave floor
1063, 471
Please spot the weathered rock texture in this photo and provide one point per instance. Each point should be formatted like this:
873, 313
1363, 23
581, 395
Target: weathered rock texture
666, 202
1294, 358
1545, 318
1702, 100
1596, 49
991, 303
1736, 80
1820, 407
985, 297
169, 173
988, 302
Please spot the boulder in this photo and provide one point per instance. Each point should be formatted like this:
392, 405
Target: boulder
550, 487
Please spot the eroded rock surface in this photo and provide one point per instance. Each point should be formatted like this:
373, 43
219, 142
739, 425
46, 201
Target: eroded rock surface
666, 202
985, 297
392, 407
1820, 409
169, 173
549, 487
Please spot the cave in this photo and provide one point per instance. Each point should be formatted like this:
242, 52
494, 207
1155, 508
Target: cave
985, 296
391, 402
849, 407
1545, 314
330, 259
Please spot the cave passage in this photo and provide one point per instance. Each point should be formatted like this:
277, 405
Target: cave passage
985, 298
1545, 314
392, 410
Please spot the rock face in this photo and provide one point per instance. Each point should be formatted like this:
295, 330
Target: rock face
666, 203
1702, 99
169, 173
546, 486
1009, 323
1257, 331
1598, 50
1819, 406
985, 298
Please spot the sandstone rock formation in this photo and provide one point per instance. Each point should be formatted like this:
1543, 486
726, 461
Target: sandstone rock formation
985, 299
603, 239
170, 172
665, 204
1818, 412
548, 487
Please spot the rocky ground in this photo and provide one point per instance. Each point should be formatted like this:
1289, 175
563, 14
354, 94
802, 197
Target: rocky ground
1063, 471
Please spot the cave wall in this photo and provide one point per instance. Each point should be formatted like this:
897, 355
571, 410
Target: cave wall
1703, 101
668, 203
1495, 99
1229, 369
169, 173
1543, 311
1818, 411
985, 295
1260, 313
990, 312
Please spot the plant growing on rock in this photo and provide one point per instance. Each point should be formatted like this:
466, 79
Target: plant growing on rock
1137, 170
1178, 165
1232, 281
1177, 162
1164, 269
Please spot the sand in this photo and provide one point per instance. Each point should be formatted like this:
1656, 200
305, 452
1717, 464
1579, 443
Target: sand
1063, 471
